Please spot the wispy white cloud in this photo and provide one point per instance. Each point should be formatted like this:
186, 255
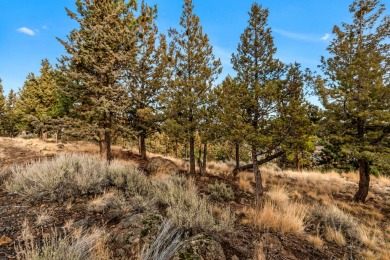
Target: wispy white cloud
326, 37
26, 30
45, 27
301, 36
224, 55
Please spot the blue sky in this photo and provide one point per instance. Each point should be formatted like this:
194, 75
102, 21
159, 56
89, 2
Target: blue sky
29, 29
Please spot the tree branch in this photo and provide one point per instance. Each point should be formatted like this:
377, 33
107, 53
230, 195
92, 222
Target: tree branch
260, 162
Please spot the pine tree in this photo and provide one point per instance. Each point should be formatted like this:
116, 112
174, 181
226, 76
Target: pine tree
230, 114
257, 73
355, 91
273, 117
11, 118
100, 54
147, 83
37, 99
194, 70
2, 108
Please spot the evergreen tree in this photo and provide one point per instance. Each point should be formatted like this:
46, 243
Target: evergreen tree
230, 114
147, 82
257, 73
355, 91
272, 115
10, 117
2, 108
194, 70
37, 99
100, 54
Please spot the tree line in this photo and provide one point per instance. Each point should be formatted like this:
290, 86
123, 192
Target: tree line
121, 78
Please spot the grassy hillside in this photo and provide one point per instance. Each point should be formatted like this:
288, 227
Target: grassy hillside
68, 204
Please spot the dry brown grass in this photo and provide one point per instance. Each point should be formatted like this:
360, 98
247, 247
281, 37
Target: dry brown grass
43, 218
336, 236
244, 181
278, 194
109, 200
76, 245
316, 241
219, 168
367, 255
287, 218
368, 238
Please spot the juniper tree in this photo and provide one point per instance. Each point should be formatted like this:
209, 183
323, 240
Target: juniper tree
273, 118
230, 114
10, 116
148, 79
257, 73
100, 51
37, 98
2, 107
355, 91
194, 70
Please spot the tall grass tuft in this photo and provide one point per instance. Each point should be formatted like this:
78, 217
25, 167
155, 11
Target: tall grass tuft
64, 176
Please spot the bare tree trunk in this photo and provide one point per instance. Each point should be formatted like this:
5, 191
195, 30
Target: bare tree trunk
44, 135
192, 155
59, 135
204, 164
256, 171
237, 150
364, 181
199, 159
105, 145
142, 146
176, 149
297, 161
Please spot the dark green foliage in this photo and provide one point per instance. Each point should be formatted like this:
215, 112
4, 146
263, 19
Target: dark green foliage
37, 101
193, 68
271, 112
355, 91
100, 54
10, 116
2, 108
148, 79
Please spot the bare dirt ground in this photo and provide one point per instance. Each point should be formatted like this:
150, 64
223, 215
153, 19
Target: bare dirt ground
240, 244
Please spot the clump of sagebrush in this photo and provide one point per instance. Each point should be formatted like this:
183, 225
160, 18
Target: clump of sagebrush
186, 208
65, 176
333, 218
220, 191
129, 179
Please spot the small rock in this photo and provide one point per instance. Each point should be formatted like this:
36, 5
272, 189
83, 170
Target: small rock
5, 240
80, 224
120, 252
235, 258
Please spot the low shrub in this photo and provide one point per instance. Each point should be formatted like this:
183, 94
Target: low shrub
187, 209
129, 178
65, 176
220, 191
333, 217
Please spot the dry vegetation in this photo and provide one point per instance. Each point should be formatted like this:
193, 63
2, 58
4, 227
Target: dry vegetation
312, 207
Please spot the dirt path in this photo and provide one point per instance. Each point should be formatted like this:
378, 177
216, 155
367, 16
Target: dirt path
13, 152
